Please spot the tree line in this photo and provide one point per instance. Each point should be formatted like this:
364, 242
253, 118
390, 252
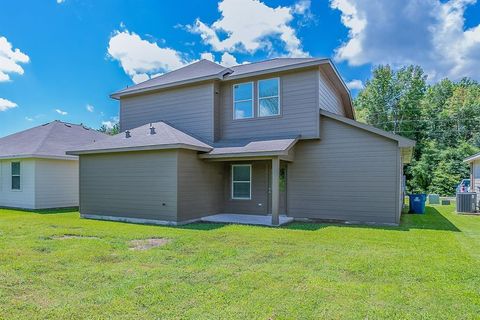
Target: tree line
442, 117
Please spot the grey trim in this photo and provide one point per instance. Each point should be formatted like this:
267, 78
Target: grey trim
138, 220
472, 158
141, 148
39, 156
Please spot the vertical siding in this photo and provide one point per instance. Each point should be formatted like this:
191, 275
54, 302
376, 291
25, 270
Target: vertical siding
24, 198
298, 104
329, 98
259, 204
200, 186
350, 174
189, 109
132, 184
476, 175
56, 183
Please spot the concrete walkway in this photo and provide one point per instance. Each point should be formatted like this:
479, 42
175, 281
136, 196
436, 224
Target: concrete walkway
245, 219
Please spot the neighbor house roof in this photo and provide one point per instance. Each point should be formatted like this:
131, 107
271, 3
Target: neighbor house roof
472, 158
248, 148
50, 140
154, 136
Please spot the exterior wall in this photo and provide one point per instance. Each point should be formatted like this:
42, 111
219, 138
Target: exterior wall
259, 204
24, 198
56, 183
329, 98
189, 109
200, 186
476, 176
139, 185
349, 175
298, 108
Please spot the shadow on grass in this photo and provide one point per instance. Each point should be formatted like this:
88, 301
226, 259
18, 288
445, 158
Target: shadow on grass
44, 211
432, 219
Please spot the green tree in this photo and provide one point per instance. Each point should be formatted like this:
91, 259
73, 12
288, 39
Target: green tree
111, 131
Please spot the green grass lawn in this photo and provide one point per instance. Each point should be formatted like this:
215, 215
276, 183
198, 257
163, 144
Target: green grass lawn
428, 268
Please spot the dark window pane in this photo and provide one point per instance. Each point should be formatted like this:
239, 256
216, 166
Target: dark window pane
16, 168
268, 88
241, 173
16, 182
243, 91
268, 107
243, 109
241, 190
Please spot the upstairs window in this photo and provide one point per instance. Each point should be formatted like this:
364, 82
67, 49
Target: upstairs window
16, 176
268, 97
242, 181
243, 100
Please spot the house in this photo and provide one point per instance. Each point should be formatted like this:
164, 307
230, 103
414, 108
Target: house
264, 142
35, 172
474, 162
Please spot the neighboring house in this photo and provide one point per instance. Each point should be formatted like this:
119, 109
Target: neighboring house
276, 138
474, 162
35, 172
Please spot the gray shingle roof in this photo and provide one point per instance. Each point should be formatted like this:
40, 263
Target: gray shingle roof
267, 65
50, 140
165, 137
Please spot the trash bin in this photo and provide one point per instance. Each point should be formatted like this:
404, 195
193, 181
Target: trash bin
417, 203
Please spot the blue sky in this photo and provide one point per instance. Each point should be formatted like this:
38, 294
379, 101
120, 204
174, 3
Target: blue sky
62, 59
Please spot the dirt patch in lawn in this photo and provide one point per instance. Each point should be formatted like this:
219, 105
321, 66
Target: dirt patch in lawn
73, 236
145, 244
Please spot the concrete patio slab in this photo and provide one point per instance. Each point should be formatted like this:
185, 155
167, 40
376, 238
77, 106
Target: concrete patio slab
245, 219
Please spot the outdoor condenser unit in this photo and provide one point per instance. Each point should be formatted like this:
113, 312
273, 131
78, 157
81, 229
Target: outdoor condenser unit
466, 202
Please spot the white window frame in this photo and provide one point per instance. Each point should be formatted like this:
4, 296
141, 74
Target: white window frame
233, 182
16, 175
252, 99
277, 96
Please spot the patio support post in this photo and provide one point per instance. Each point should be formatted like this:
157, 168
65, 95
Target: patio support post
275, 190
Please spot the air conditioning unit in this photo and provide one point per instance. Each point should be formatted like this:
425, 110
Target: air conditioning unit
466, 202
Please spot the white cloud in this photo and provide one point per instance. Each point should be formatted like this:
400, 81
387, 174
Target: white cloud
140, 58
250, 25
227, 60
61, 112
108, 124
10, 60
60, 1
6, 104
90, 108
355, 84
29, 119
429, 33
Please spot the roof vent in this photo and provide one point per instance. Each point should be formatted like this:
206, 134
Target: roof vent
127, 134
152, 129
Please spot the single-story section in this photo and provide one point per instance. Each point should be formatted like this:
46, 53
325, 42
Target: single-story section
35, 172
474, 162
158, 174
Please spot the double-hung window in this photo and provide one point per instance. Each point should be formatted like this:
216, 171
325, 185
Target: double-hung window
242, 181
15, 175
243, 100
268, 97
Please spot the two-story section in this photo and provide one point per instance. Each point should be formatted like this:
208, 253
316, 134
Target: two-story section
275, 139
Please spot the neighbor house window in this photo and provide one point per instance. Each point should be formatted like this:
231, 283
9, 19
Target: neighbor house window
15, 175
242, 181
243, 100
268, 97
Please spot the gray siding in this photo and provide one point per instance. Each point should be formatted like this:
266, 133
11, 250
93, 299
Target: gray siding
134, 184
349, 175
329, 98
56, 183
259, 204
298, 104
200, 186
189, 109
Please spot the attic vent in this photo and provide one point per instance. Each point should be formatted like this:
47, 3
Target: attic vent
127, 134
67, 125
152, 130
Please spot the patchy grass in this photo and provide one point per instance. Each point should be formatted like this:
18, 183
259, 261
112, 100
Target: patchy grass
428, 268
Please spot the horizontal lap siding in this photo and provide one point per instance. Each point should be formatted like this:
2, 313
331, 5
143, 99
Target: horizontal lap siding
349, 175
189, 109
133, 184
298, 103
329, 97
200, 186
56, 183
24, 198
259, 202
